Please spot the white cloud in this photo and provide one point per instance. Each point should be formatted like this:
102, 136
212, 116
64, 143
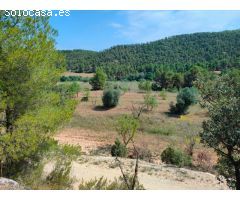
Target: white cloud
116, 25
142, 26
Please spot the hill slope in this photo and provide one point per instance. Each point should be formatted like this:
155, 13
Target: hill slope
217, 50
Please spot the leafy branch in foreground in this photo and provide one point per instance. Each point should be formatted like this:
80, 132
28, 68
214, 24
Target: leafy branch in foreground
222, 130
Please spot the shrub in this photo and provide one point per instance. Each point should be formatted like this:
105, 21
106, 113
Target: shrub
203, 160
145, 85
185, 98
86, 95
176, 157
99, 80
162, 131
150, 101
104, 184
59, 178
163, 95
143, 154
191, 141
127, 128
110, 98
118, 149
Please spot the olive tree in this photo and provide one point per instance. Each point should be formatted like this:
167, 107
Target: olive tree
221, 131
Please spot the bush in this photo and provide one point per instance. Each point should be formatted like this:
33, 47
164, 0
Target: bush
143, 154
185, 98
176, 157
59, 178
118, 149
104, 184
145, 85
110, 98
99, 80
127, 127
86, 95
163, 95
203, 160
150, 101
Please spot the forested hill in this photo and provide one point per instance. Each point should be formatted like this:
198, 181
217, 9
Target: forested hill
217, 50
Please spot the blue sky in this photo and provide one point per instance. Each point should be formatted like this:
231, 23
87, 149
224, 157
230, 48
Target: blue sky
98, 30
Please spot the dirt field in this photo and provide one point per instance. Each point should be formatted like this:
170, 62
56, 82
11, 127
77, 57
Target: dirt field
93, 128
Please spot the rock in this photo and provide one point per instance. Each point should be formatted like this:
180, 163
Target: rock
8, 184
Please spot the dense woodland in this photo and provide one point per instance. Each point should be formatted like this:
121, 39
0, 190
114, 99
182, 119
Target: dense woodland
215, 51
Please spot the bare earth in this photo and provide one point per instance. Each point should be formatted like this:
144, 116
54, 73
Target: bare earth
95, 142
152, 176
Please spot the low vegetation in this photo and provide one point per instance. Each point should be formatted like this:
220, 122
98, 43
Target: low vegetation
110, 98
104, 184
185, 98
176, 157
36, 101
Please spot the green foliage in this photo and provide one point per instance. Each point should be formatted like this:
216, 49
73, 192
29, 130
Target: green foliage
127, 127
67, 90
32, 109
110, 98
150, 101
163, 95
74, 78
104, 184
145, 86
86, 95
185, 98
163, 80
214, 51
118, 149
99, 80
225, 168
221, 131
59, 178
193, 74
80, 60
162, 131
176, 157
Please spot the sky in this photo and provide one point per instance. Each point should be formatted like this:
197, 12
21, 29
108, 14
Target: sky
99, 30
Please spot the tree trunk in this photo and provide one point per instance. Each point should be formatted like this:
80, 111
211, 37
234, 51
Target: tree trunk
8, 119
237, 174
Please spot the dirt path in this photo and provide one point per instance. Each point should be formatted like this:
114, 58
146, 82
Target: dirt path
152, 176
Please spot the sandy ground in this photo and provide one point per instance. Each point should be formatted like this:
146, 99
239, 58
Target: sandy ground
152, 176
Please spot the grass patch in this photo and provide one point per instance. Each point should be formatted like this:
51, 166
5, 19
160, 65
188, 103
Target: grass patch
93, 123
166, 131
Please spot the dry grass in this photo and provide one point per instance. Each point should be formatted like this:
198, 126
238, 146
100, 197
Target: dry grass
89, 75
93, 127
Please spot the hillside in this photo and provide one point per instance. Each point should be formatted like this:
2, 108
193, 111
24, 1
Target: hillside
216, 50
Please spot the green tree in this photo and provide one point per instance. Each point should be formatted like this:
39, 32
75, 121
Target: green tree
185, 98
192, 75
31, 110
99, 80
127, 127
178, 80
222, 131
110, 98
